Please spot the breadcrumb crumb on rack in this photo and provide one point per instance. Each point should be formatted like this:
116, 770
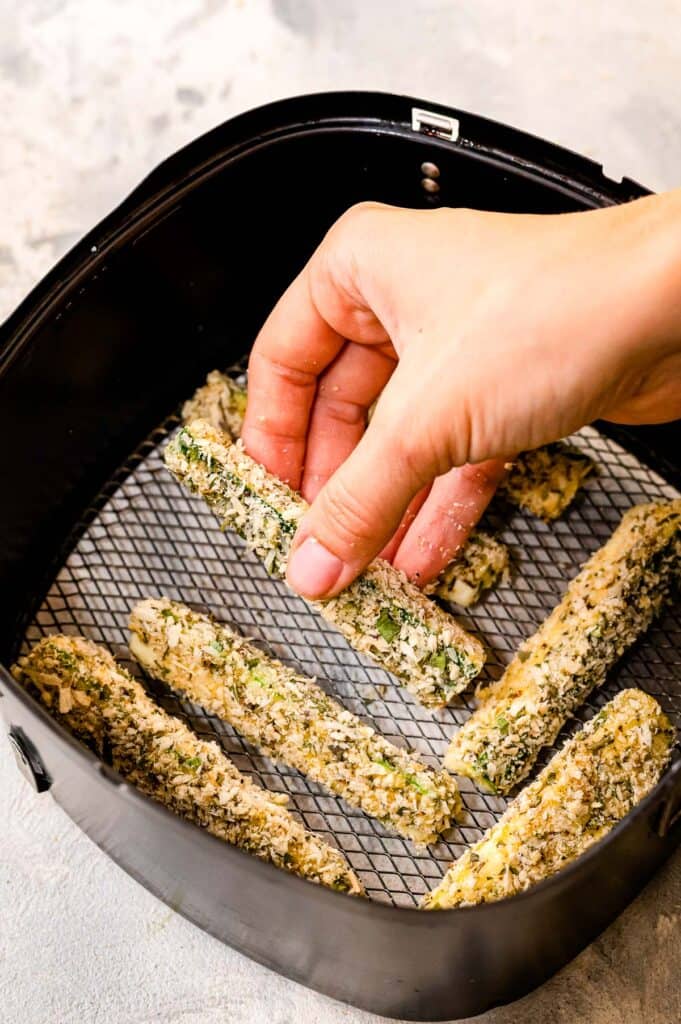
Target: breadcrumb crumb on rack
605, 609
381, 614
592, 783
110, 711
289, 718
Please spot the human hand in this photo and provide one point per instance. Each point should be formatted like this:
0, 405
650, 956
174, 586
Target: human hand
483, 334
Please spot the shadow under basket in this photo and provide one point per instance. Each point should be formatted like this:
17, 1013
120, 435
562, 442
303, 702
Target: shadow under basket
93, 366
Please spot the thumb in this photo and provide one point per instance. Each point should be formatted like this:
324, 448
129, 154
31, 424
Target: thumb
356, 513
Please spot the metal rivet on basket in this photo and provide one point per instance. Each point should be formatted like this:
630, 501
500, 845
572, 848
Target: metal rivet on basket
428, 185
429, 169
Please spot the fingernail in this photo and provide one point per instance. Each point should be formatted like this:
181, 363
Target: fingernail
312, 569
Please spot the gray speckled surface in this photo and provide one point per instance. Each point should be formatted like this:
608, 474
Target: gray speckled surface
93, 95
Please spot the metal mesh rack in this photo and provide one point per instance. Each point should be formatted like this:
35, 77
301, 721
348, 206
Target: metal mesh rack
148, 537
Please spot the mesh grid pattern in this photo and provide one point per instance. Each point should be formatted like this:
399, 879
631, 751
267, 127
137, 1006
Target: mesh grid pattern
149, 537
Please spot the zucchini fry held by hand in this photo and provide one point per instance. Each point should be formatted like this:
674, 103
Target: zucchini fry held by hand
479, 566
543, 481
587, 787
381, 614
289, 718
105, 707
221, 401
607, 606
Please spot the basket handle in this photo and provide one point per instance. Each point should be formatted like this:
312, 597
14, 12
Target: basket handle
28, 760
671, 807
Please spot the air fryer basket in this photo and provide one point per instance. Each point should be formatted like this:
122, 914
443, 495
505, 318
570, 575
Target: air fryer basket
173, 283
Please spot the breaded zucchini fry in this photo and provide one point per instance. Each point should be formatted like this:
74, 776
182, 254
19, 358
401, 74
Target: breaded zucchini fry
381, 614
479, 566
588, 786
607, 606
544, 481
291, 719
221, 401
109, 710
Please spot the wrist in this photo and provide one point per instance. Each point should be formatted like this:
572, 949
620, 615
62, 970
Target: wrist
654, 255
648, 309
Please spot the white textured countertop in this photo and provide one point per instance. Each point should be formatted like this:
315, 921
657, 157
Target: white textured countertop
93, 95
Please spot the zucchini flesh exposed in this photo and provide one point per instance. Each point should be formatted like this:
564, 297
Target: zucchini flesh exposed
381, 614
479, 566
105, 707
607, 606
587, 787
544, 481
290, 718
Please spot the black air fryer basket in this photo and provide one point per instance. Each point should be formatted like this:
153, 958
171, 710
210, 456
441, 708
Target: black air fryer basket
93, 366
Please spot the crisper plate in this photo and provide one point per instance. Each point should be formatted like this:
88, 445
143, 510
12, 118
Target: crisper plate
146, 536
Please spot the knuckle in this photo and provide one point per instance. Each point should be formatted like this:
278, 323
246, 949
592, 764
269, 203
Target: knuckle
349, 517
460, 437
287, 374
354, 227
409, 455
340, 265
359, 213
480, 476
341, 410
417, 455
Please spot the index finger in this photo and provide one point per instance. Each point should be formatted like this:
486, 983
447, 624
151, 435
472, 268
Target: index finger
293, 348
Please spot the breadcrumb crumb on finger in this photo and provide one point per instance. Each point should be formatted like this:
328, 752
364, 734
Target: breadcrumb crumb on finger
588, 786
111, 712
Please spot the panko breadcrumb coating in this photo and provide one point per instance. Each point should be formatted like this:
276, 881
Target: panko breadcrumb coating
111, 712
